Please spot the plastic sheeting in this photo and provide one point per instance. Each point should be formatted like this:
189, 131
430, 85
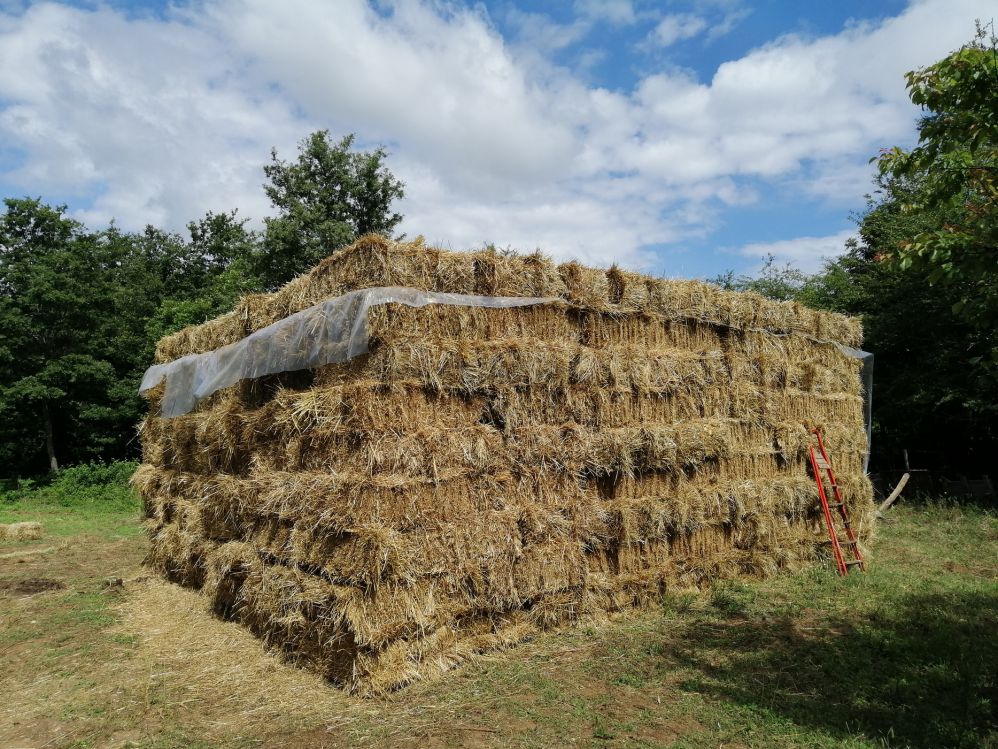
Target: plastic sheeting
866, 374
330, 332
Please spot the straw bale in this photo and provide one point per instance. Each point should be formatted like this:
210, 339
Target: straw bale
391, 323
377, 641
178, 555
23, 531
519, 538
257, 311
375, 261
588, 288
289, 607
337, 502
432, 452
197, 339
649, 330
383, 430
627, 291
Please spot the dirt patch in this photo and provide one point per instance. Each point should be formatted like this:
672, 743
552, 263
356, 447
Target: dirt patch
962, 569
32, 585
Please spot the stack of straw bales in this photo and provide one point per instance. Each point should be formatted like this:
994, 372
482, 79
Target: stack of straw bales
485, 473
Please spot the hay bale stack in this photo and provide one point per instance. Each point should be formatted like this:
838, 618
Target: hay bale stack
485, 473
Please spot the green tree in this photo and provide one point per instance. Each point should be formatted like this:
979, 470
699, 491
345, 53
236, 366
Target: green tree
832, 289
54, 292
221, 256
781, 282
929, 397
80, 313
953, 175
325, 199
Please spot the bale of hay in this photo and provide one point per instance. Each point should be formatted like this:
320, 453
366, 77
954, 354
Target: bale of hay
24, 531
485, 473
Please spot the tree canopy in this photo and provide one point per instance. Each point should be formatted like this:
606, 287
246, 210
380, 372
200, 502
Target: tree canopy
952, 175
325, 199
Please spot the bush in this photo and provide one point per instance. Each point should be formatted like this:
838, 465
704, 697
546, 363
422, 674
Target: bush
87, 483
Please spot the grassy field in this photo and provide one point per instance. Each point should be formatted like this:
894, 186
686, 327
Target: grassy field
96, 653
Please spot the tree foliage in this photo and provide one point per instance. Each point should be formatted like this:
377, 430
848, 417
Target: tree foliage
953, 173
65, 313
931, 396
923, 273
325, 199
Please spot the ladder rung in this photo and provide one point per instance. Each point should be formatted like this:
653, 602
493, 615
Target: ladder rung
836, 504
822, 463
854, 562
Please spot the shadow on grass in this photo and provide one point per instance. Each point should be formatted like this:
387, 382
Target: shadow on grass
919, 674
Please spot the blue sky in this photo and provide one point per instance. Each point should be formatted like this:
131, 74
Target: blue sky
681, 138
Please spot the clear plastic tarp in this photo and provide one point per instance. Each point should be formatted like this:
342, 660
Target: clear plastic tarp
330, 332
866, 374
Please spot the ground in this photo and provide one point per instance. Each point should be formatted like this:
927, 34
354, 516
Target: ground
96, 652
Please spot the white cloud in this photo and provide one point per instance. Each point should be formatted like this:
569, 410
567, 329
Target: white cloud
163, 119
677, 27
444, 85
143, 112
842, 183
733, 13
538, 32
806, 253
617, 12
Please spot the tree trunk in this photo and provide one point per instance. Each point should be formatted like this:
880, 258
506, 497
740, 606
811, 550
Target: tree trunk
49, 442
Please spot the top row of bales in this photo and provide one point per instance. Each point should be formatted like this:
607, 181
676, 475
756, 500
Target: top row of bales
374, 261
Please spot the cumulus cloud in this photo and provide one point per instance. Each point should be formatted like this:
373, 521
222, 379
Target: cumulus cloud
806, 253
142, 113
158, 119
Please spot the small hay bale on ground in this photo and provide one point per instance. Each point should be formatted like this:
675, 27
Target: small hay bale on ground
25, 531
483, 474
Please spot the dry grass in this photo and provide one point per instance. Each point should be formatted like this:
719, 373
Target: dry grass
249, 689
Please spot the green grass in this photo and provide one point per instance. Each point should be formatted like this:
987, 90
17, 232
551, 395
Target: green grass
92, 499
902, 656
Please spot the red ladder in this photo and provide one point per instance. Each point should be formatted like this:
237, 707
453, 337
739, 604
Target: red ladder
821, 462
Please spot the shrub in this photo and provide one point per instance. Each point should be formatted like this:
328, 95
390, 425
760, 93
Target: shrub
87, 483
